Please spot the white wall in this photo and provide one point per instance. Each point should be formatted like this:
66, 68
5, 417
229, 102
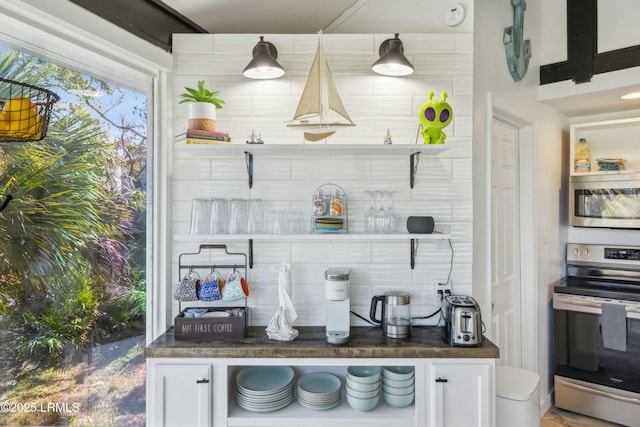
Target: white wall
550, 130
376, 103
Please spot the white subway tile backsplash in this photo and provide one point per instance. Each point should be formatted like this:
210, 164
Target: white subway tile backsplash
464, 43
462, 85
415, 85
443, 187
191, 168
444, 63
327, 253
195, 65
201, 44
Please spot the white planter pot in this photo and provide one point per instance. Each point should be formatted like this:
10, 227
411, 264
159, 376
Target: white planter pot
202, 115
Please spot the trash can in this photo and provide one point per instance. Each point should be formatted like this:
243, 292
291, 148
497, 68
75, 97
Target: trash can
517, 397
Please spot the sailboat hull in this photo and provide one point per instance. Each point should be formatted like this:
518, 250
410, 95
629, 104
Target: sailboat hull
315, 132
314, 137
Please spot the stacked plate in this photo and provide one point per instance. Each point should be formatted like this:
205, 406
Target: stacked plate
319, 390
329, 223
264, 388
363, 387
398, 385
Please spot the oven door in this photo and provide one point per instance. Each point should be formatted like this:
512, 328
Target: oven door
581, 350
611, 201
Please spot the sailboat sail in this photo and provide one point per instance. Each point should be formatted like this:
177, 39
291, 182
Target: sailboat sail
320, 109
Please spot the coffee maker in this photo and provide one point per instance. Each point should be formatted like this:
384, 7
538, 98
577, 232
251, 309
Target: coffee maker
337, 289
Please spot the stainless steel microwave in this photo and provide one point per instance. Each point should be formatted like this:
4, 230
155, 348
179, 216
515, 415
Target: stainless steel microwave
609, 200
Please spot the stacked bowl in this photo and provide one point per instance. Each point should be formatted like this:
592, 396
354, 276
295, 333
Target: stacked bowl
319, 391
363, 387
398, 385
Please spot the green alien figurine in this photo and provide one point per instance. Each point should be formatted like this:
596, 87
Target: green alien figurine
435, 116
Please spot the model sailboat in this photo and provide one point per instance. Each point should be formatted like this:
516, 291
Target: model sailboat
320, 110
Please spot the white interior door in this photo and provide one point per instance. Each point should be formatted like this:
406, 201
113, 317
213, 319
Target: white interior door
505, 244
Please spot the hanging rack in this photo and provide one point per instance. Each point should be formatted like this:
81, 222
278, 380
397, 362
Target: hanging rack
191, 267
182, 267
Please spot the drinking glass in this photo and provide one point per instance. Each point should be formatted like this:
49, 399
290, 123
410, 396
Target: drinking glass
238, 216
296, 222
388, 216
279, 222
380, 222
370, 214
219, 223
256, 217
200, 213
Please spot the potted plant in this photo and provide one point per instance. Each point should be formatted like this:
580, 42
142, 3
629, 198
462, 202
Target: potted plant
202, 106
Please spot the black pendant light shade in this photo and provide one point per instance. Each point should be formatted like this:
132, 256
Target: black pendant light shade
264, 64
392, 61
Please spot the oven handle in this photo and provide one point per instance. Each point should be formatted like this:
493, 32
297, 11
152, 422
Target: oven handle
586, 306
599, 392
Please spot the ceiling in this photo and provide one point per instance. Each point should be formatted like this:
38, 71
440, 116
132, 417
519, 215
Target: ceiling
592, 102
332, 16
157, 20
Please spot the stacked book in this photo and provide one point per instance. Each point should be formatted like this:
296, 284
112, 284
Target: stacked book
197, 136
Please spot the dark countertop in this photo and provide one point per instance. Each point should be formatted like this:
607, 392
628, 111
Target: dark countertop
364, 342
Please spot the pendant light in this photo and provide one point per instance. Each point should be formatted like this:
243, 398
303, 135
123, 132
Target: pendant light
264, 64
392, 61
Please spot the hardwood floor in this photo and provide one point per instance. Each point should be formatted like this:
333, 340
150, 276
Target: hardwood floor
556, 417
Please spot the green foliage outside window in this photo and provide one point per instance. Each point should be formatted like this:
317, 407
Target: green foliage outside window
72, 240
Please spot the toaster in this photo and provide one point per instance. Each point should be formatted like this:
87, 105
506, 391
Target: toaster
462, 321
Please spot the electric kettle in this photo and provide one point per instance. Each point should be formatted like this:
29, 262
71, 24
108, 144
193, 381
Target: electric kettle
396, 313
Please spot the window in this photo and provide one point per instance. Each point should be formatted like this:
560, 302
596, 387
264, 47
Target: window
72, 254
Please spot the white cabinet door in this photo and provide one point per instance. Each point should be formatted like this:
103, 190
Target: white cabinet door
180, 395
462, 395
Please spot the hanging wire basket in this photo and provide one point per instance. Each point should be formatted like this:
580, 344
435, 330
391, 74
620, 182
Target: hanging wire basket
25, 111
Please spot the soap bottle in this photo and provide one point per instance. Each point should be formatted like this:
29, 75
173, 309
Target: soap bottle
582, 158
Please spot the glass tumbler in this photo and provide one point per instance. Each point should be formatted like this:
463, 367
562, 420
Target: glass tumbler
219, 219
256, 217
296, 222
279, 222
238, 216
200, 213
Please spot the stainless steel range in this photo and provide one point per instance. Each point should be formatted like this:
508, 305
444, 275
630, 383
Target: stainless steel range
597, 333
